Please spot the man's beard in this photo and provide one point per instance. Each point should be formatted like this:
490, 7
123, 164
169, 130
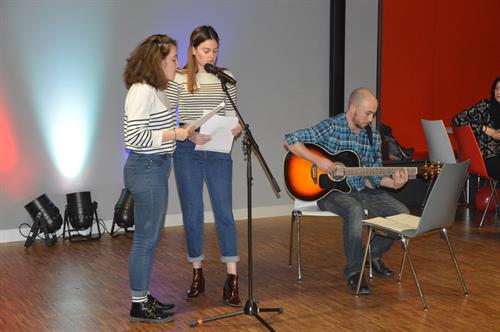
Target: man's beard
359, 125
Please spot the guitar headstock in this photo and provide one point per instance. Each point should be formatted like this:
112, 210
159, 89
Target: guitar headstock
430, 170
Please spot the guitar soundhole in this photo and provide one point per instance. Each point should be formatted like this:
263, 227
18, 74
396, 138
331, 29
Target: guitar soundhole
339, 173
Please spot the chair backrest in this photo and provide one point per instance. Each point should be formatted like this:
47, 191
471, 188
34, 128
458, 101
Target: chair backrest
441, 206
438, 142
469, 150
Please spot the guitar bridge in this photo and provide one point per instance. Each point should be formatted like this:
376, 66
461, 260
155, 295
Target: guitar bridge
314, 174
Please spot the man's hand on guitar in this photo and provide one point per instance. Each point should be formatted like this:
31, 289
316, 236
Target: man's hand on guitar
326, 164
399, 178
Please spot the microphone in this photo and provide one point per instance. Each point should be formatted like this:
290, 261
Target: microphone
210, 68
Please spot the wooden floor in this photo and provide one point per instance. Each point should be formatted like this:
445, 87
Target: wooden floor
84, 286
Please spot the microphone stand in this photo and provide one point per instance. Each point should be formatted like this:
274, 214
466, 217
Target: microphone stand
249, 145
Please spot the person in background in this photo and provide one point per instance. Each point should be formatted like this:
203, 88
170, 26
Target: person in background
193, 91
484, 119
150, 136
351, 131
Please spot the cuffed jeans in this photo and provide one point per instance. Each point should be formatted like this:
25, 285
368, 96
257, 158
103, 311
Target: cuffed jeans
351, 208
192, 168
146, 177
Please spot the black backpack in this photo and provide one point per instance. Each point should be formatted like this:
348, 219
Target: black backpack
390, 146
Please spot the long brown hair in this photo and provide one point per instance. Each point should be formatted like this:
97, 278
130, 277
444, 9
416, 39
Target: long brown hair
144, 63
198, 36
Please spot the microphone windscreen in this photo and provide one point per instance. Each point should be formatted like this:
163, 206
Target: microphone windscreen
209, 67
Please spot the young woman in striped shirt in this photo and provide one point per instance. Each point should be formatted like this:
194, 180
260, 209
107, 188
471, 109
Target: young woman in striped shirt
193, 91
150, 136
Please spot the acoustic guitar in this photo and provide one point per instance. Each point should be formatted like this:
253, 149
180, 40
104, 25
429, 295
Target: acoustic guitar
305, 181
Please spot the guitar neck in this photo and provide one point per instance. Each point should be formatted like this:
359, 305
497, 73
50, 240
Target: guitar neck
367, 171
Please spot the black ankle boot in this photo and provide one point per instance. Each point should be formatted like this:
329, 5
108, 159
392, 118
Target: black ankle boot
230, 294
197, 285
144, 312
168, 308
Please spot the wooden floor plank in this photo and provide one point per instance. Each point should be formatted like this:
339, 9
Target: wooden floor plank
83, 286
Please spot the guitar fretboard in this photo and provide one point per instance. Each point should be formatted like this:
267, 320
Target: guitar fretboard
367, 171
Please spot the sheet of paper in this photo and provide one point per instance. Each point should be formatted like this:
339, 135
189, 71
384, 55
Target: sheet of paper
398, 222
219, 128
197, 124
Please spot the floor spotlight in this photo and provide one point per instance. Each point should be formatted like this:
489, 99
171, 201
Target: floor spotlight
46, 219
80, 215
124, 212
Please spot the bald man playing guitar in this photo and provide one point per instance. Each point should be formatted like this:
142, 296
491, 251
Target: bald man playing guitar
349, 140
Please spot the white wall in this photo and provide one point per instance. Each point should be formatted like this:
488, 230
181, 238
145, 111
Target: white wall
279, 51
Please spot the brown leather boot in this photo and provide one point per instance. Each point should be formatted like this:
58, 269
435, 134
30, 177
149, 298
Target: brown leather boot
230, 294
197, 285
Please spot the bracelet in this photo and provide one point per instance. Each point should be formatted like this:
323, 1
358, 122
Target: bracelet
484, 128
175, 135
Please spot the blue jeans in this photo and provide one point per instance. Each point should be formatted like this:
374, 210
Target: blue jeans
192, 168
146, 177
351, 208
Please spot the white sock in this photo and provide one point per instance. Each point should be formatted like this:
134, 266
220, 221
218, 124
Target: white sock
139, 299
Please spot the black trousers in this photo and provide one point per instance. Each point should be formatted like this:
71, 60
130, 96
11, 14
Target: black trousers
493, 167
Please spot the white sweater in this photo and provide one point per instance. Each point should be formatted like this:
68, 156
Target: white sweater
147, 115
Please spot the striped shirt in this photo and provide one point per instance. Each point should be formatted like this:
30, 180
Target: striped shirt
334, 135
191, 106
147, 115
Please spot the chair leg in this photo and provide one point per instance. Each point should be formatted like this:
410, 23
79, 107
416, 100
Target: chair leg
295, 220
368, 245
404, 243
429, 187
484, 215
467, 189
492, 186
292, 222
452, 253
299, 258
403, 260
370, 268
495, 196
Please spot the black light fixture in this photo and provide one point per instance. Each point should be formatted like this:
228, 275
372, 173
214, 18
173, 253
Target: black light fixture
46, 219
124, 212
80, 215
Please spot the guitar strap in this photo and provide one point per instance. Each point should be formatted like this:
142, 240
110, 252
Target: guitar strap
369, 133
370, 139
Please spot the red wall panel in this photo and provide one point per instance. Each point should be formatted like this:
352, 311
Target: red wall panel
438, 57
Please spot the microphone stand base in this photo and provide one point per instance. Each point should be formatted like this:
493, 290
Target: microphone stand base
250, 309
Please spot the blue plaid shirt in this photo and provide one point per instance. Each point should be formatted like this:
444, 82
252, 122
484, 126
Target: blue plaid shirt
334, 135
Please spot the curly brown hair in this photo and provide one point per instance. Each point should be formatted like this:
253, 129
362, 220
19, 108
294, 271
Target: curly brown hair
198, 36
144, 63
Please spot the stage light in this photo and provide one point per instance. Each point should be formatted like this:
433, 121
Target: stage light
124, 212
46, 219
80, 215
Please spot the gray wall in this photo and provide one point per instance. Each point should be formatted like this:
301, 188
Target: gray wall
361, 45
277, 49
